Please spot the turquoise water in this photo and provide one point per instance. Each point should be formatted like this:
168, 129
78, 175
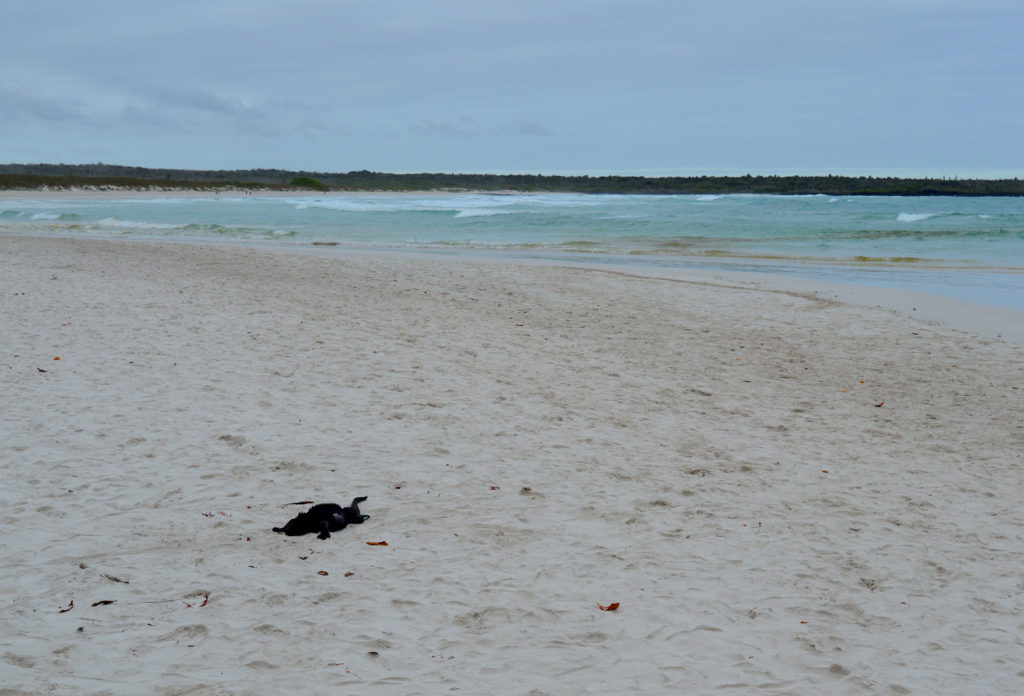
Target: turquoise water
967, 248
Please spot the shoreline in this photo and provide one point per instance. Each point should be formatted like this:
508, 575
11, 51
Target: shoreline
778, 490
981, 286
989, 321
114, 193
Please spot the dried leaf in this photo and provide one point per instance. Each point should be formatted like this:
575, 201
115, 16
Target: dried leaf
349, 574
69, 607
880, 405
495, 488
611, 607
103, 602
205, 600
376, 543
321, 572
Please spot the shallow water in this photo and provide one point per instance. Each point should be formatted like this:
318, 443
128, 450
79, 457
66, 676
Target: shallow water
967, 248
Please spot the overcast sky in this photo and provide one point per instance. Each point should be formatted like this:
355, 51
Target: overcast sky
656, 87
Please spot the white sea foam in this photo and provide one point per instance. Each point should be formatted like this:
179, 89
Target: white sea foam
709, 197
481, 212
914, 217
45, 216
135, 225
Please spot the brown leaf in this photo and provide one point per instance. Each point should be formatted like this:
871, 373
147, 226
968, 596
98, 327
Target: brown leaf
376, 543
321, 572
205, 600
349, 574
103, 602
611, 607
880, 405
69, 607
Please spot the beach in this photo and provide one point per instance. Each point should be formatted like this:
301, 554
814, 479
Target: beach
589, 480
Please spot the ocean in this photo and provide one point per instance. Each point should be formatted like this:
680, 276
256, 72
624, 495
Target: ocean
966, 248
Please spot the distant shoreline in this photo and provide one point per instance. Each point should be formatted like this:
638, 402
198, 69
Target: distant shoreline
103, 177
126, 192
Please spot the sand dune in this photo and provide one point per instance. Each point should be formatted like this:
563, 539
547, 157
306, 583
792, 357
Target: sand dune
784, 493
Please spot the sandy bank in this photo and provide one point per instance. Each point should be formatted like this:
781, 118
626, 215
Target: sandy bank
119, 192
784, 493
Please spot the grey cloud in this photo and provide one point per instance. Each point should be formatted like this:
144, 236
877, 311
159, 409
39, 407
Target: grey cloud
530, 128
16, 104
471, 127
464, 127
567, 85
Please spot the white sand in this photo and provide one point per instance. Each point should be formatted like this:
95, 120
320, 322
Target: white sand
92, 193
533, 441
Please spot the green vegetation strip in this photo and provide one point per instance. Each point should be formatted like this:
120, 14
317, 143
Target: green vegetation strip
61, 176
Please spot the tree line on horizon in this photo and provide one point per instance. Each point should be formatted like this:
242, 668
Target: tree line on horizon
37, 176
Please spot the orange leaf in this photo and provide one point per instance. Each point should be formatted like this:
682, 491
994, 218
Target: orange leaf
57, 358
611, 607
376, 543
